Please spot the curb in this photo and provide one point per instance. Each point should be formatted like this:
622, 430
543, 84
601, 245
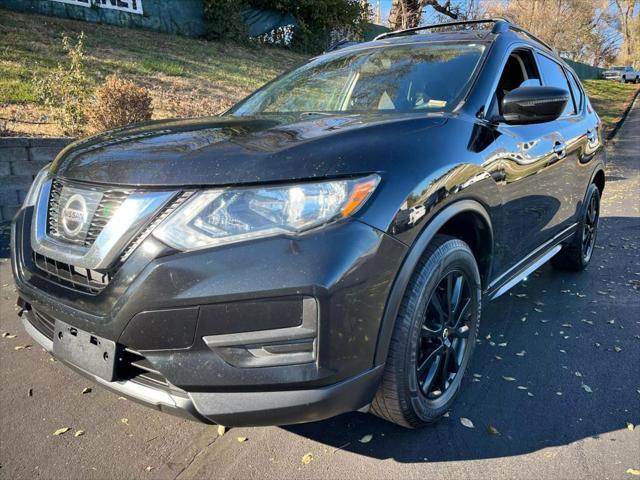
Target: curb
620, 122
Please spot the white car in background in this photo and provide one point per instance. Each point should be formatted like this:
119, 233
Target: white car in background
622, 74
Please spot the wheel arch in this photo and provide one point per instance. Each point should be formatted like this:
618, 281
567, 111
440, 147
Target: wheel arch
599, 179
448, 221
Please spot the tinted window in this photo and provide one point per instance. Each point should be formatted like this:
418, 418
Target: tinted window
403, 78
576, 91
553, 76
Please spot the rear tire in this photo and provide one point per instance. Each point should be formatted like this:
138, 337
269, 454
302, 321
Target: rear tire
433, 337
576, 255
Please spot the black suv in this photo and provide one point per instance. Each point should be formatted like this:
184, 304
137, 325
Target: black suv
325, 245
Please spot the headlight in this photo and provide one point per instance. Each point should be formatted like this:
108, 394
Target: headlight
215, 217
36, 186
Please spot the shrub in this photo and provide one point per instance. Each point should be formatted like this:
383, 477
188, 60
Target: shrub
317, 21
66, 90
119, 102
224, 19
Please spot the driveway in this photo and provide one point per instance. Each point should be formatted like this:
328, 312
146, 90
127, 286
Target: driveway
570, 341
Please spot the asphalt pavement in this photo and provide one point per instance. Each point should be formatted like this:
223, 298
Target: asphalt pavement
571, 341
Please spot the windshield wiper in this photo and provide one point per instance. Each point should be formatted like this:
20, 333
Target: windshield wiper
307, 114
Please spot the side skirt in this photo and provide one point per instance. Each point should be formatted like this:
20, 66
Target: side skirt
529, 264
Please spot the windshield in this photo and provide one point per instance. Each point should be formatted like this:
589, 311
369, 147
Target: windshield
402, 78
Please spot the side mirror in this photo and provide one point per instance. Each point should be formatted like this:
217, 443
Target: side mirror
525, 105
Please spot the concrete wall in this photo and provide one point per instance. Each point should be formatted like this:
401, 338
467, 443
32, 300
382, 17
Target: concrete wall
20, 161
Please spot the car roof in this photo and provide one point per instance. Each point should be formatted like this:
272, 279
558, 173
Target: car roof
435, 33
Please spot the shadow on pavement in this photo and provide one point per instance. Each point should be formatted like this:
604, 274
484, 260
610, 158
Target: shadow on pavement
579, 331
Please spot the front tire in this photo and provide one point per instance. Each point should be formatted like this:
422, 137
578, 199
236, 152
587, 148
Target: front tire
433, 337
576, 255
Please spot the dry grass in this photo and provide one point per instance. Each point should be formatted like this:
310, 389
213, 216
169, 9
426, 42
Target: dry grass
185, 76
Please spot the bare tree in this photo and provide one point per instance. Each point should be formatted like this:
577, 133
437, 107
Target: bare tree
408, 13
628, 20
580, 30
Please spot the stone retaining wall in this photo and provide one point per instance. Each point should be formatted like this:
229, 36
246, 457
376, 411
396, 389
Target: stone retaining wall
20, 160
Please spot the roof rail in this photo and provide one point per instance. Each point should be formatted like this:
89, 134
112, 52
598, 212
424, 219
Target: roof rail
501, 25
440, 25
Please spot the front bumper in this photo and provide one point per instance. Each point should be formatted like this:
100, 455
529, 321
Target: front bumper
204, 322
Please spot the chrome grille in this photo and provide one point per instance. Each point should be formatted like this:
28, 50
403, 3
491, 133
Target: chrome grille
87, 281
109, 203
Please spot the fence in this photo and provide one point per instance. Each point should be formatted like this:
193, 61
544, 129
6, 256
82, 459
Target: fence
584, 71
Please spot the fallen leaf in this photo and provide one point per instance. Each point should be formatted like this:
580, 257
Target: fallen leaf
221, 430
498, 357
307, 458
508, 379
148, 468
62, 430
79, 433
504, 344
493, 430
559, 394
30, 392
586, 388
617, 349
522, 387
242, 439
477, 375
521, 354
86, 390
366, 439
530, 394
125, 421
630, 426
633, 471
21, 347
466, 422
8, 335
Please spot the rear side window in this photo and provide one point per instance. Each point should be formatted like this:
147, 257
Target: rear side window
553, 76
576, 91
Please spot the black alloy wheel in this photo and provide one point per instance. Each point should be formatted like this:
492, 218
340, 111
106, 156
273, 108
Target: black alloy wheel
576, 255
443, 335
590, 228
433, 336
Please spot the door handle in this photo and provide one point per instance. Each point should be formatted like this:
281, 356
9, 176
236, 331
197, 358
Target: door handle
560, 149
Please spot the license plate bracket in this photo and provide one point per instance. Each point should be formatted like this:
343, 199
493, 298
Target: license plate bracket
95, 355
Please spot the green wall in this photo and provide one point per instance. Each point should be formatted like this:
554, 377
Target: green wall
171, 16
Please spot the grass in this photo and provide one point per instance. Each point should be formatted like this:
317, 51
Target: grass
186, 76
610, 99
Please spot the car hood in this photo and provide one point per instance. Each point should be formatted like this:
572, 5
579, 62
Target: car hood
231, 150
